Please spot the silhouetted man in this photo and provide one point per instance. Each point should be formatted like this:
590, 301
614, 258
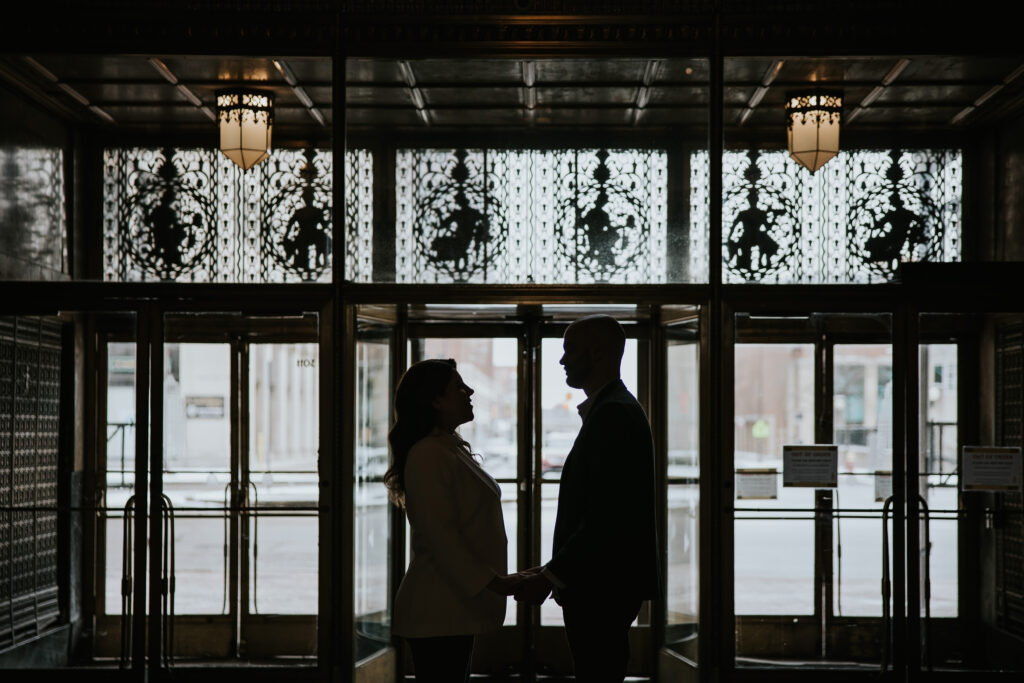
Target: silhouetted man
604, 562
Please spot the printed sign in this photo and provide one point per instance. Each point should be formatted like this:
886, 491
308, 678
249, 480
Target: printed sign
814, 465
991, 468
757, 483
204, 407
883, 485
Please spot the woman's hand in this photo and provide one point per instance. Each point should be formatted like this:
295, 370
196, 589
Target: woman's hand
507, 584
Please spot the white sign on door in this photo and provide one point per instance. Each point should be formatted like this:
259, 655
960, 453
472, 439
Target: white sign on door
755, 483
883, 485
991, 468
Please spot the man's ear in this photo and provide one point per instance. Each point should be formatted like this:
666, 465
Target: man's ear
436, 402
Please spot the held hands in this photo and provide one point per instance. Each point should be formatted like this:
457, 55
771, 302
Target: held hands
534, 587
507, 584
528, 585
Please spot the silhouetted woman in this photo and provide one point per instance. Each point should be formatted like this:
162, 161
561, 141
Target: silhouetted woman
456, 584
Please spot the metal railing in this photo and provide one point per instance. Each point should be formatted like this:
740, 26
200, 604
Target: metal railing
166, 581
887, 585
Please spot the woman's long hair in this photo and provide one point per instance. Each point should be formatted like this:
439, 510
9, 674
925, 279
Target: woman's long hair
415, 416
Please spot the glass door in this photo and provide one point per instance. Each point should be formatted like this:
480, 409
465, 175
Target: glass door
682, 430
278, 490
240, 425
375, 517
809, 552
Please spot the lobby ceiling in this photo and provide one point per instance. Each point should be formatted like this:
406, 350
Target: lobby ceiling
175, 94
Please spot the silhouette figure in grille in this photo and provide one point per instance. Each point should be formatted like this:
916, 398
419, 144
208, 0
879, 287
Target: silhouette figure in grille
169, 228
305, 242
463, 231
897, 227
756, 225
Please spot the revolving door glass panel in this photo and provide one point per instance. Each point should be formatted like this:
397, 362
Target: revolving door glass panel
278, 524
491, 367
682, 539
373, 510
808, 554
559, 423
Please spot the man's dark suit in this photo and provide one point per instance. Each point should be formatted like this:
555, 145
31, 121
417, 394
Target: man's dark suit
605, 542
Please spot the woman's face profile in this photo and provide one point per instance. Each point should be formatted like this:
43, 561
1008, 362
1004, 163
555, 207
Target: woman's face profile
454, 406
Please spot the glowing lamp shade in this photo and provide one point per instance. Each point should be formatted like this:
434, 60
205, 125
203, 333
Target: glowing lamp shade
246, 120
812, 127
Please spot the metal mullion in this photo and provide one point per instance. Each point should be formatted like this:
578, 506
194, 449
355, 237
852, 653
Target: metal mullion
658, 416
336, 623
717, 458
968, 527
142, 404
39, 297
238, 549
94, 409
463, 330
900, 635
328, 616
343, 504
643, 390
515, 294
718, 653
156, 487
909, 412
824, 352
530, 491
396, 517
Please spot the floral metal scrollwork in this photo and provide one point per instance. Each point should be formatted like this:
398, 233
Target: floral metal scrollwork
456, 227
894, 218
169, 216
531, 215
609, 216
763, 227
296, 216
191, 215
855, 220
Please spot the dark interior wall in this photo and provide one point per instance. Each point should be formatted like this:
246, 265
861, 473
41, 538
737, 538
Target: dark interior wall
34, 151
1008, 193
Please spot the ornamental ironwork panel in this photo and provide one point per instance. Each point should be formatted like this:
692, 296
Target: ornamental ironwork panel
530, 216
359, 216
854, 221
33, 228
190, 215
1009, 534
30, 358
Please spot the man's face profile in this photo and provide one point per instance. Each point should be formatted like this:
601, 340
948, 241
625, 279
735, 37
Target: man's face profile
576, 357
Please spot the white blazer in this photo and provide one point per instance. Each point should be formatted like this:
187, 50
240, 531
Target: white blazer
458, 543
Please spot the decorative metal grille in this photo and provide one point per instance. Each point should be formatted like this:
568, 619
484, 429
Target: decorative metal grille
854, 221
359, 216
526, 216
190, 215
29, 433
32, 221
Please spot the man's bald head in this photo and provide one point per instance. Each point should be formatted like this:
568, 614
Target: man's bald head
603, 333
593, 352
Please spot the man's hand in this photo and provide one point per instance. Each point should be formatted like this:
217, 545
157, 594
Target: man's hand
533, 589
505, 585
